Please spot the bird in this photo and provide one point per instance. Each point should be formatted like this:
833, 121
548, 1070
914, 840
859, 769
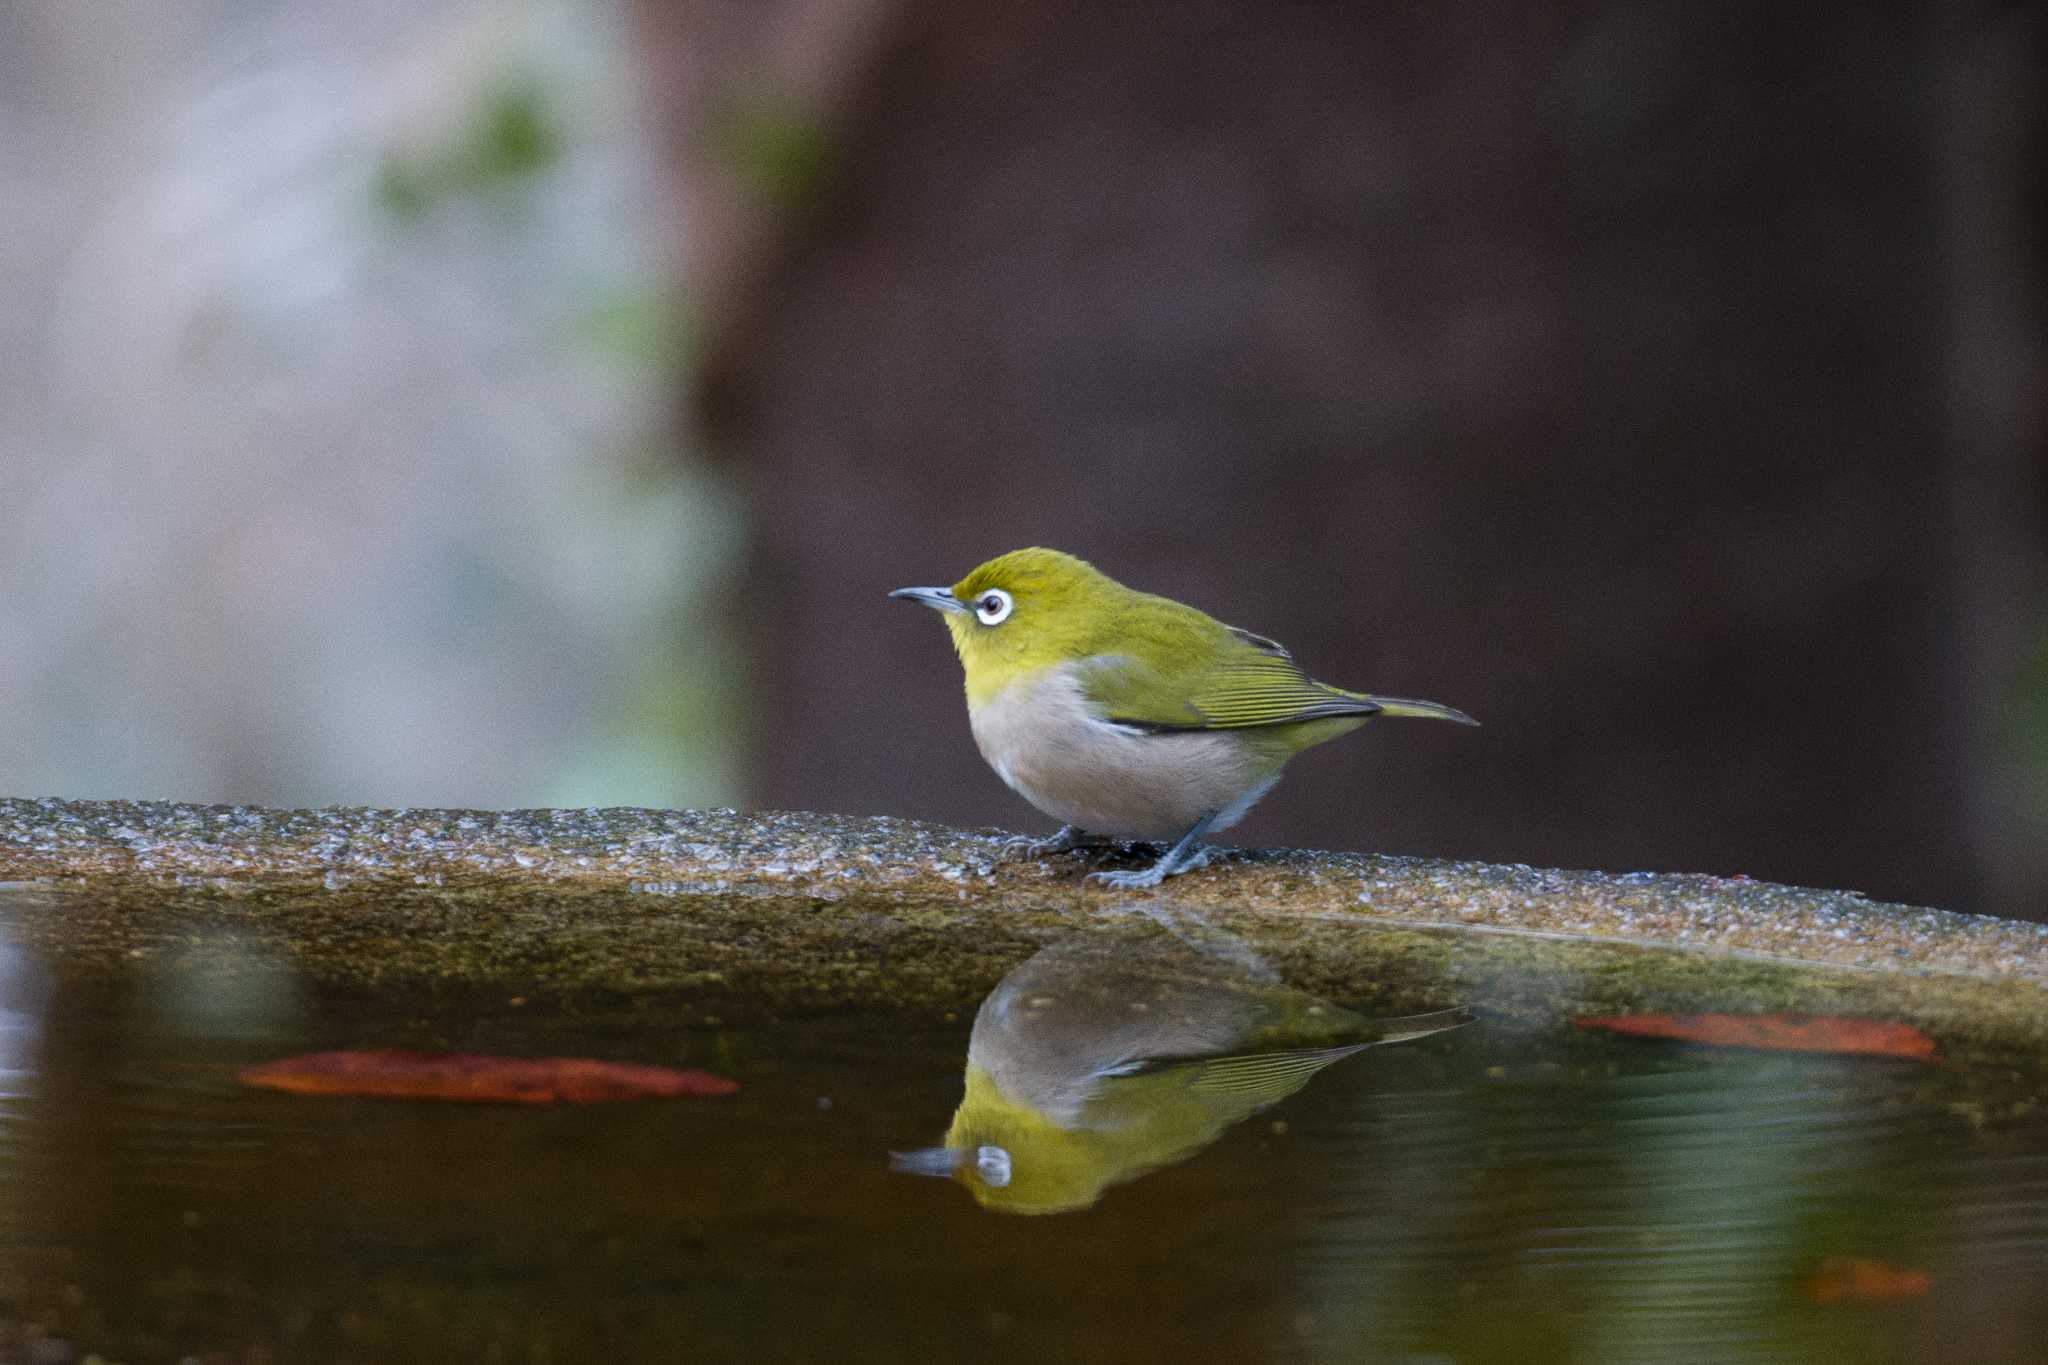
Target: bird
1111, 1054
1128, 716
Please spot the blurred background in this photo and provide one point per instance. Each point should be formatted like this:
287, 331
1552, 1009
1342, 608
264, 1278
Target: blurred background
528, 402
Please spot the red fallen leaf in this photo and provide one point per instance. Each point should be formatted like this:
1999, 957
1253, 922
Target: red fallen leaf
1863, 1279
394, 1073
1778, 1032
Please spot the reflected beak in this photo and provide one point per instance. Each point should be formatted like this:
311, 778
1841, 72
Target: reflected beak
940, 598
938, 1161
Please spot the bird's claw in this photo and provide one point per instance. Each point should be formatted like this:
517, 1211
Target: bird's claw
1024, 848
1141, 878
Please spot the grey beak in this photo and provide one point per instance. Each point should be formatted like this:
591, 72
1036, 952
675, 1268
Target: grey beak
941, 598
938, 1161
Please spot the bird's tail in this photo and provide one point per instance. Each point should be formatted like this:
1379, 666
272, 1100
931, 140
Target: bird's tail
1420, 1025
1404, 706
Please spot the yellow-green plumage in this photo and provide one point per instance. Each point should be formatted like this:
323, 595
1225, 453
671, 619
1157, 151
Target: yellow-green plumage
1110, 1055
1129, 714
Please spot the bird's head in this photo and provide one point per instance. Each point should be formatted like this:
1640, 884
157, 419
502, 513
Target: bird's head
1020, 612
1015, 1158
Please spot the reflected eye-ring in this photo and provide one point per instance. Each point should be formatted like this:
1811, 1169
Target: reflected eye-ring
992, 608
992, 1164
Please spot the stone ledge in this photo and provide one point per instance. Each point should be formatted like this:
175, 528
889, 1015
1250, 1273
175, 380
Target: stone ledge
167, 847
776, 912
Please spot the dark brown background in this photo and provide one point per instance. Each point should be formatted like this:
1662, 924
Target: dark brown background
1660, 383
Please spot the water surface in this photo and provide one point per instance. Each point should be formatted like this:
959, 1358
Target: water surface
1496, 1192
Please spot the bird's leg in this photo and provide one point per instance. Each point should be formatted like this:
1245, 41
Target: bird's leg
1069, 838
1182, 857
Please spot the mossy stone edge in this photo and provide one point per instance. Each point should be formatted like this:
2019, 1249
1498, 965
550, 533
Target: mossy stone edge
797, 912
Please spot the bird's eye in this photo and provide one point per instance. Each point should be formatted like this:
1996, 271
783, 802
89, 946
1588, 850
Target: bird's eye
992, 1164
992, 608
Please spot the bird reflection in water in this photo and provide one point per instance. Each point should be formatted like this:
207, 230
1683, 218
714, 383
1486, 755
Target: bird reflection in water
1111, 1054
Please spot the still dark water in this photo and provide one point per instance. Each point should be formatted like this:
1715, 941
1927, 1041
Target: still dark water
1487, 1193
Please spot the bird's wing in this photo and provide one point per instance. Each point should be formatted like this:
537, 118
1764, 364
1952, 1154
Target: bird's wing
1270, 1076
1251, 1081
1253, 682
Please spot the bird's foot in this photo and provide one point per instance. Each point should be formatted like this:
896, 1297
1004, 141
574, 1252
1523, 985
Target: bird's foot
1023, 848
1170, 865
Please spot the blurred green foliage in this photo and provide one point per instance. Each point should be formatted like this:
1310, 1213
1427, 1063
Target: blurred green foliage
662, 733
783, 154
512, 138
640, 326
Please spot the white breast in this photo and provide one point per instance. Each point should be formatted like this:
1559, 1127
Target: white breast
1044, 740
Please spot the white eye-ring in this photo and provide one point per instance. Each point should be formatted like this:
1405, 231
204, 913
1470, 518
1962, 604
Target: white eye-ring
992, 1164
992, 608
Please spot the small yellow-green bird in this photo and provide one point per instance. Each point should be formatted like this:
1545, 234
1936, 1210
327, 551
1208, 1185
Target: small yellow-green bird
1130, 716
1111, 1055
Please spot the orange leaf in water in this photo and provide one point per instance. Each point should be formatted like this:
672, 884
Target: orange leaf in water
479, 1079
1863, 1279
1778, 1032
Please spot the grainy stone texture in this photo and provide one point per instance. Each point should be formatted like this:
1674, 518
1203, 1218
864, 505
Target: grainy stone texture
792, 911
